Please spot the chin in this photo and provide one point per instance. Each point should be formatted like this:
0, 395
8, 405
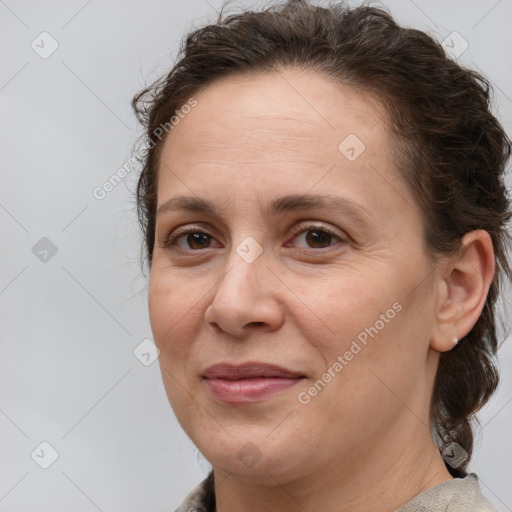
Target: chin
266, 461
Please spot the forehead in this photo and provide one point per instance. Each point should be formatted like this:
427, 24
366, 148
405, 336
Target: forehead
254, 115
261, 135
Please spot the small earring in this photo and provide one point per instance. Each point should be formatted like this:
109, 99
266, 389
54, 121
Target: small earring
455, 341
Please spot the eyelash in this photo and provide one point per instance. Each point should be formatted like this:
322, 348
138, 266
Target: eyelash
171, 244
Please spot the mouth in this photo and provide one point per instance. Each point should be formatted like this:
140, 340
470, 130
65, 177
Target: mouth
249, 382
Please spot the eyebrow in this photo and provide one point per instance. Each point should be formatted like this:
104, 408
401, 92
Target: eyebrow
288, 203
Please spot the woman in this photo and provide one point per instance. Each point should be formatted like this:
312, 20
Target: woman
324, 213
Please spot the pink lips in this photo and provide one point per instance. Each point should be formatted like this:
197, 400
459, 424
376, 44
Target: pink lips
249, 382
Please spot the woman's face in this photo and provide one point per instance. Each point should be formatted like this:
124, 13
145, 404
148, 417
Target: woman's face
298, 246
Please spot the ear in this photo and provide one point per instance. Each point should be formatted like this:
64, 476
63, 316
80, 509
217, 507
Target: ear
465, 279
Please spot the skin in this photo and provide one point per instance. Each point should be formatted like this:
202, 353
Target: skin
363, 442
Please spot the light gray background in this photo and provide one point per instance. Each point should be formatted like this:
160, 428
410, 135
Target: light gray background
69, 325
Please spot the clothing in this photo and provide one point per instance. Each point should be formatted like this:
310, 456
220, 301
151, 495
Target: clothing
456, 495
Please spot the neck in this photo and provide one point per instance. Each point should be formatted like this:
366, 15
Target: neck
387, 478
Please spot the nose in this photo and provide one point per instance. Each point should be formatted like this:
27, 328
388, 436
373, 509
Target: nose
246, 298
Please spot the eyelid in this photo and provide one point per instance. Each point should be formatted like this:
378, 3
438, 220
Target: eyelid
297, 230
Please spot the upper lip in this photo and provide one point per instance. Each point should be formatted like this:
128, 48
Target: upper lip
248, 370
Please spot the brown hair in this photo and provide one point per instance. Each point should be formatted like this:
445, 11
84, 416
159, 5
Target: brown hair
450, 149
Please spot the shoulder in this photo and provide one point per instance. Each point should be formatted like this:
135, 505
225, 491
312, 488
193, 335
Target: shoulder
455, 495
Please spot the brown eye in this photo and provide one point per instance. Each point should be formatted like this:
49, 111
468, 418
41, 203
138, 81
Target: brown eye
316, 237
189, 240
198, 240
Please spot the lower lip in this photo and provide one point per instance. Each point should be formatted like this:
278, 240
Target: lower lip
248, 390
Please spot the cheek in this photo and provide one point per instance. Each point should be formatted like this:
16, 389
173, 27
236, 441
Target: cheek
172, 313
162, 307
343, 308
374, 362
364, 326
173, 316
